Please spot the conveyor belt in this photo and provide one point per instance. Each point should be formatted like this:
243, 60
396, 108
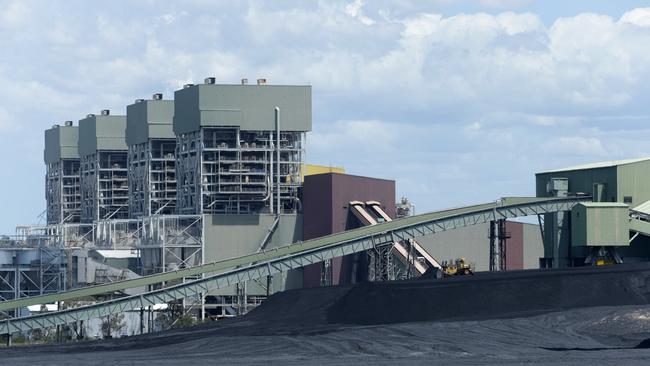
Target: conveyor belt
245, 268
401, 249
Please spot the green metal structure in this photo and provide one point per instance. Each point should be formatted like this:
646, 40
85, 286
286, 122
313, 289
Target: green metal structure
622, 181
245, 268
600, 224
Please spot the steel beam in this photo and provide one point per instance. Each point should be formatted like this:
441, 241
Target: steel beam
250, 267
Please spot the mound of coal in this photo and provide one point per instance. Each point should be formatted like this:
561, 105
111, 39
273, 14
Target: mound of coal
492, 295
306, 306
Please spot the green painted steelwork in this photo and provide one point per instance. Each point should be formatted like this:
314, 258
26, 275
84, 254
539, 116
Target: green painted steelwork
242, 269
504, 208
640, 226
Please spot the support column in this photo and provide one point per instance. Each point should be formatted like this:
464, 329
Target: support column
142, 320
503, 237
269, 278
492, 235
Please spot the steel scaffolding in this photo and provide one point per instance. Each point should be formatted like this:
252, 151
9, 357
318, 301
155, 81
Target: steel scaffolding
104, 186
63, 191
152, 178
117, 233
31, 263
226, 170
170, 242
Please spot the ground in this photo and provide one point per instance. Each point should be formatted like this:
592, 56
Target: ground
296, 328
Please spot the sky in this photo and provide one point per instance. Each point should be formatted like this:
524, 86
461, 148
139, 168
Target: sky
459, 101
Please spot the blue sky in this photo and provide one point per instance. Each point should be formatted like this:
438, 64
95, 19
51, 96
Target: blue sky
460, 101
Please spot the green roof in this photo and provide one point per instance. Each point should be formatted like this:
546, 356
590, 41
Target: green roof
597, 165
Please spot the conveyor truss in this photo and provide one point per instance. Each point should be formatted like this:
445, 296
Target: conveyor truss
414, 259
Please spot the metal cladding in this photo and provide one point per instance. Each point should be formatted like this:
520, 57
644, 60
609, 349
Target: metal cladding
229, 141
149, 119
61, 142
102, 133
600, 224
325, 198
611, 181
249, 107
622, 181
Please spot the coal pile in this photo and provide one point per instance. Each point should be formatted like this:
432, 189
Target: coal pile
482, 319
493, 295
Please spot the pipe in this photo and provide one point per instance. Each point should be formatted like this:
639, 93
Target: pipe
297, 200
271, 172
277, 150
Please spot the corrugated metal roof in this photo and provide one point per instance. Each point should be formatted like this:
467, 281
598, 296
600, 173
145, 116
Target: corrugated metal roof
643, 208
602, 164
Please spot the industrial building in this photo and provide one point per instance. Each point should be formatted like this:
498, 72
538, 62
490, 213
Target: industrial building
224, 163
327, 211
218, 175
62, 178
573, 238
233, 155
523, 246
30, 267
103, 152
151, 159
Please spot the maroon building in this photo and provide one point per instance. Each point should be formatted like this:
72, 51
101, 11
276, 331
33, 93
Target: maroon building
325, 211
515, 245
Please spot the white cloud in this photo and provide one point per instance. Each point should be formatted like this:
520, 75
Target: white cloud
575, 145
505, 4
7, 121
14, 14
355, 10
431, 100
640, 17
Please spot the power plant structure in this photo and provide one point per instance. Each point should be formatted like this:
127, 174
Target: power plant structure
152, 157
62, 182
205, 203
103, 153
612, 226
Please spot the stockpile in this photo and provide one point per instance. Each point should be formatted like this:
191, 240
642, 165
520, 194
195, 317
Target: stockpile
486, 295
493, 295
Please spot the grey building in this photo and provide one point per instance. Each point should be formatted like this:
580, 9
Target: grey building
151, 158
103, 151
62, 186
233, 195
524, 246
228, 147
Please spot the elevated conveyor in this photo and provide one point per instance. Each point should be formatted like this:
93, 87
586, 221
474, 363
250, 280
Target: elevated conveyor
363, 213
228, 272
400, 247
640, 219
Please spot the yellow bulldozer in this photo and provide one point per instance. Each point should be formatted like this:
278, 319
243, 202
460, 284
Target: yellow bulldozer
457, 267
